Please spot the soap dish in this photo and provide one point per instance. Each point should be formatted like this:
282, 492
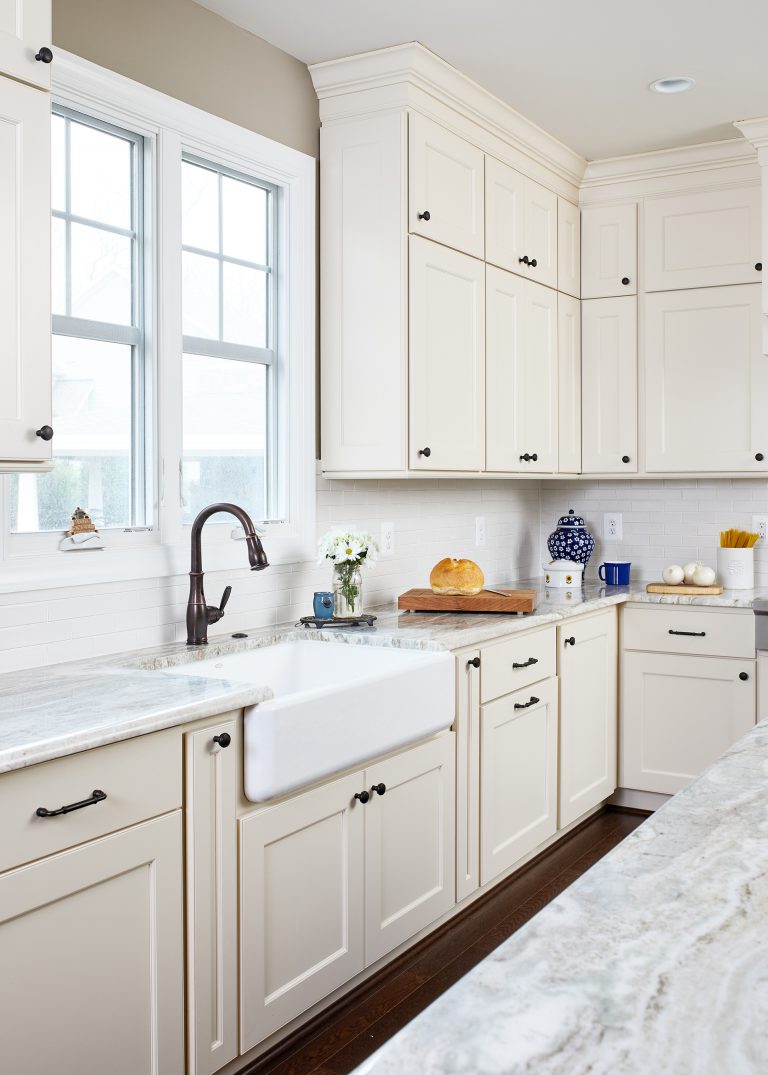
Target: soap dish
363, 620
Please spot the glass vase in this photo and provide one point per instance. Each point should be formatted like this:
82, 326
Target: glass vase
347, 590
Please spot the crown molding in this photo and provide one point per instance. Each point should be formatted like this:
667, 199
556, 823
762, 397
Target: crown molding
413, 65
659, 164
755, 131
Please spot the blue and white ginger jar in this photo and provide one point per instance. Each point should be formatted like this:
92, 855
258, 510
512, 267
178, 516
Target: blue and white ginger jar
571, 540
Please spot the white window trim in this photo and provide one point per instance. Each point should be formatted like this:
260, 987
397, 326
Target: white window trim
172, 127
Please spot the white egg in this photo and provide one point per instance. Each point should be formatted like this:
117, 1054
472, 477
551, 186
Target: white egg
673, 574
704, 576
689, 569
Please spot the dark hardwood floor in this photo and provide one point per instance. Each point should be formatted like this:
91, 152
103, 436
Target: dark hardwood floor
342, 1037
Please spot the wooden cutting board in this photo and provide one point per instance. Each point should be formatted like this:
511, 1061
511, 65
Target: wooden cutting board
684, 591
427, 601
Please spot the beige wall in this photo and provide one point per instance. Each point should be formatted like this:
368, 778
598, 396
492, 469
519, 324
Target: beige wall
182, 49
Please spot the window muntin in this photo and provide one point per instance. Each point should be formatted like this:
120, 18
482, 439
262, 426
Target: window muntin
99, 363
228, 318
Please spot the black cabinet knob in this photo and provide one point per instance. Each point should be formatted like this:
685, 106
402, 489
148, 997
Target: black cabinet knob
759, 266
44, 55
570, 641
625, 459
759, 457
379, 789
743, 676
223, 740
426, 452
529, 458
426, 215
625, 280
524, 260
44, 433
363, 796
533, 263
473, 662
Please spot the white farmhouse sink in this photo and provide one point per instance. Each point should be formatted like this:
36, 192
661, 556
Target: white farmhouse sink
335, 706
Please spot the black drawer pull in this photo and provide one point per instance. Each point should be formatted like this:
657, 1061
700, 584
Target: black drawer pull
96, 797
525, 705
223, 740
473, 662
363, 796
379, 789
570, 641
525, 664
689, 634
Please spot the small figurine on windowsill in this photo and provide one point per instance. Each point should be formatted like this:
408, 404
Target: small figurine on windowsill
82, 535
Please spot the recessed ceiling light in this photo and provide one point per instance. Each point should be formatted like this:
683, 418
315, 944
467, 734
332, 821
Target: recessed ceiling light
675, 84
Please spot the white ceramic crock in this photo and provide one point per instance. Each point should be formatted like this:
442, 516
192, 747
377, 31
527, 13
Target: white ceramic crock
564, 574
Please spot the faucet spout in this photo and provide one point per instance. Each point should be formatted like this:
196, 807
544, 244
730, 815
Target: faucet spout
200, 614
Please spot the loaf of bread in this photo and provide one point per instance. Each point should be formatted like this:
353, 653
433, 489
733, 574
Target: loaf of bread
456, 577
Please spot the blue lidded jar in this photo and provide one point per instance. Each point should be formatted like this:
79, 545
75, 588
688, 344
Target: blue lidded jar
571, 540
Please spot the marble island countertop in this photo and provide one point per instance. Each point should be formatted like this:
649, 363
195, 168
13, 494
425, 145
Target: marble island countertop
653, 961
49, 712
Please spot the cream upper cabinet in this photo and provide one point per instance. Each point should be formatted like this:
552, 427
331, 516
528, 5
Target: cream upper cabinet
25, 298
587, 667
520, 224
703, 240
706, 381
518, 765
447, 359
679, 714
608, 251
94, 937
25, 32
521, 374
569, 384
568, 248
609, 385
446, 187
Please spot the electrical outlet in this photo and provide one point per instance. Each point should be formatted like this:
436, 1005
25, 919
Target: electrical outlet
760, 526
480, 531
387, 543
612, 526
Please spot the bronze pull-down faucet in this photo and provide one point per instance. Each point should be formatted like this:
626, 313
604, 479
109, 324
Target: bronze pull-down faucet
199, 614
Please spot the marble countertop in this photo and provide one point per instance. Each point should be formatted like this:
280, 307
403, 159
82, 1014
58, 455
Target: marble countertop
653, 961
48, 712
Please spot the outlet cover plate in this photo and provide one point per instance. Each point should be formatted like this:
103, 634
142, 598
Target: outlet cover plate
612, 526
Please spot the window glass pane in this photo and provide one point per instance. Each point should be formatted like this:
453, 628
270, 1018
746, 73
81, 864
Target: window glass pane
199, 207
58, 163
92, 419
58, 266
101, 275
244, 218
224, 434
245, 305
200, 288
101, 176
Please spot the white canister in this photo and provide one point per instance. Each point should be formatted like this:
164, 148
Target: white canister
736, 568
563, 573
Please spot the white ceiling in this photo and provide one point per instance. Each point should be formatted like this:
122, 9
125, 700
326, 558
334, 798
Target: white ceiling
579, 70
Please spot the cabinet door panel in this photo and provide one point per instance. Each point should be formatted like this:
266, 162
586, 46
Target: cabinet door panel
609, 385
541, 233
211, 839
446, 181
706, 380
518, 762
301, 904
410, 845
25, 294
568, 248
467, 774
608, 251
521, 405
96, 934
504, 216
588, 714
702, 240
25, 27
679, 714
569, 384
447, 358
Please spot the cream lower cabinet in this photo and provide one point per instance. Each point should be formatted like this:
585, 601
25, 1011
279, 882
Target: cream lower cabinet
467, 730
518, 765
92, 957
330, 883
587, 667
678, 715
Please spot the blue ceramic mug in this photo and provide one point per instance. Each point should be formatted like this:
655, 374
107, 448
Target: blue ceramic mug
615, 574
323, 605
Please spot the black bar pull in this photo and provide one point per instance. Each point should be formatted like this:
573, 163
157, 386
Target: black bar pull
526, 705
525, 664
689, 634
95, 797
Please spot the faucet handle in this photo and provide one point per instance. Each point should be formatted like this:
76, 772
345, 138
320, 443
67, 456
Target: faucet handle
224, 598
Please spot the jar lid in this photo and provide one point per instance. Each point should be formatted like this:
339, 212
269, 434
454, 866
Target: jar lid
570, 520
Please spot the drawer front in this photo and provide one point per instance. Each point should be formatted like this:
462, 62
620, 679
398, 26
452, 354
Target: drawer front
140, 777
511, 665
689, 630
